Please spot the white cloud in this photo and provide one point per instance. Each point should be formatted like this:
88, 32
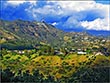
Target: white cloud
15, 3
71, 22
19, 2
73, 9
48, 9
54, 23
70, 7
98, 24
77, 6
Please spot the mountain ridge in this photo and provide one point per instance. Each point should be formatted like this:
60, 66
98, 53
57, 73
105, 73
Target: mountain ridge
28, 34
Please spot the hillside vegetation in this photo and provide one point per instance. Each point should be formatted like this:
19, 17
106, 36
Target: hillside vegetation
33, 68
39, 52
20, 35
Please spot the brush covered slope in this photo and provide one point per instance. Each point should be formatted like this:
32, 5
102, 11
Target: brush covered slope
20, 34
28, 33
39, 52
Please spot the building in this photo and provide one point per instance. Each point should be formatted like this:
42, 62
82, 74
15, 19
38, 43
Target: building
99, 53
81, 53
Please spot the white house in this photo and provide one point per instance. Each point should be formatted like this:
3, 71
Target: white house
81, 53
99, 53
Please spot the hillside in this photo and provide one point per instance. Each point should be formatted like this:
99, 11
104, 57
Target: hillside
53, 69
21, 34
30, 33
39, 52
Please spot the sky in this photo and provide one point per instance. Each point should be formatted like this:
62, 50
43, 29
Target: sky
65, 15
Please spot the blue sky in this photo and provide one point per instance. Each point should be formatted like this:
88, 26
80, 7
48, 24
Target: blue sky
66, 15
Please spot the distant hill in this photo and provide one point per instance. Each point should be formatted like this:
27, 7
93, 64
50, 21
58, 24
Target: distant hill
99, 33
92, 32
26, 35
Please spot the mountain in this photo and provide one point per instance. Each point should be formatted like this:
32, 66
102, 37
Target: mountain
92, 32
29, 33
99, 33
21, 34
